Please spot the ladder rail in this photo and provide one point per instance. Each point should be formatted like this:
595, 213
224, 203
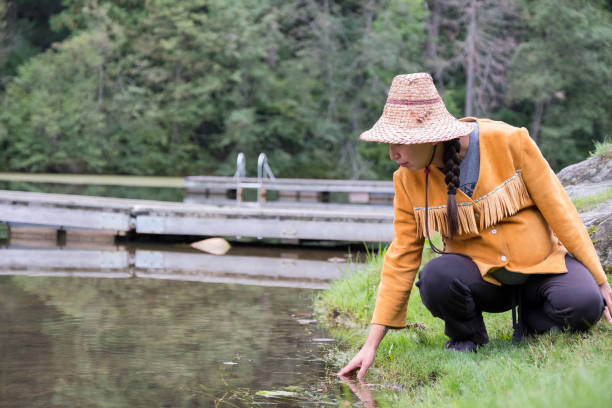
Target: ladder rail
264, 173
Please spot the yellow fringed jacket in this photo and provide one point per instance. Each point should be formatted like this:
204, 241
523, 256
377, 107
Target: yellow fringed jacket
519, 217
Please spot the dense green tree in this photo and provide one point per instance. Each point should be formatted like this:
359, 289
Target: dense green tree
563, 70
353, 55
54, 117
26, 31
177, 88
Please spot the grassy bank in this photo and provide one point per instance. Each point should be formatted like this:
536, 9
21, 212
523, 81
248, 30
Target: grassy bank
589, 202
413, 369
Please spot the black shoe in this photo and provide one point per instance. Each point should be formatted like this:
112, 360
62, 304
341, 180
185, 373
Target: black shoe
521, 333
518, 335
463, 346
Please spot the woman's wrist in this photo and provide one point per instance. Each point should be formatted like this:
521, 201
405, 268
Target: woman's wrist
376, 334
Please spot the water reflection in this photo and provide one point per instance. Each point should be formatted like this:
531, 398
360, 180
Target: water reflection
286, 270
118, 342
361, 389
89, 341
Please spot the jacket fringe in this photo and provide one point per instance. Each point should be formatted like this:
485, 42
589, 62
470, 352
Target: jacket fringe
501, 202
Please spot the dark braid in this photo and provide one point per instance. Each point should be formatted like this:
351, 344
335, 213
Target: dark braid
451, 170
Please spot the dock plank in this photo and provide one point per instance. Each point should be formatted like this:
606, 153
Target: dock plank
329, 222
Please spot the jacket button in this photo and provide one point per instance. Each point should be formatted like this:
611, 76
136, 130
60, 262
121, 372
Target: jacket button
503, 258
493, 231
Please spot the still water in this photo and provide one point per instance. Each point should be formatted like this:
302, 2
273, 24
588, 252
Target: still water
71, 339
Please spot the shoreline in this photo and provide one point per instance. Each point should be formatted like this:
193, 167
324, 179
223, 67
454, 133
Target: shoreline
412, 368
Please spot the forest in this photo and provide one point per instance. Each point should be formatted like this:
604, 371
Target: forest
176, 88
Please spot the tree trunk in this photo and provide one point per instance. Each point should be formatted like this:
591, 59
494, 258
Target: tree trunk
537, 120
470, 60
100, 84
433, 32
332, 110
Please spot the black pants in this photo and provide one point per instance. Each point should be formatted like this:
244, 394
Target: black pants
452, 289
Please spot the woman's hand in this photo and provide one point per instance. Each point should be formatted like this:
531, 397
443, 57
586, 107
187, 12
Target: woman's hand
363, 360
365, 357
606, 292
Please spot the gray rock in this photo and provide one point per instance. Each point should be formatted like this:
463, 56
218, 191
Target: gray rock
588, 178
586, 188
601, 240
591, 170
596, 215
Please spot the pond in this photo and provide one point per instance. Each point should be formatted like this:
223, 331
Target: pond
84, 336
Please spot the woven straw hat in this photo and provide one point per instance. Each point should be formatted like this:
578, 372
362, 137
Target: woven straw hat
414, 113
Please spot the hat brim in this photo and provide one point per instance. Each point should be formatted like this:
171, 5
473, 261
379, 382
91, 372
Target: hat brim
383, 132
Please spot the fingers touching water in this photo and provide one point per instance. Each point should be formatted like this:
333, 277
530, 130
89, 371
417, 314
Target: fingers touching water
362, 361
365, 357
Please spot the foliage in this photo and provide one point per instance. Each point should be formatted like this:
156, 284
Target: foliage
162, 87
603, 149
562, 69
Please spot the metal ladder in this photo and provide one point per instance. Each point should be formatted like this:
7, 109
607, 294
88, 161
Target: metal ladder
264, 172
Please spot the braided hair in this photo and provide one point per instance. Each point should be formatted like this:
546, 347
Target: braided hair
451, 170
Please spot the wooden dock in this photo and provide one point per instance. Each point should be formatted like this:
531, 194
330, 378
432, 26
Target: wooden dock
351, 223
292, 189
289, 189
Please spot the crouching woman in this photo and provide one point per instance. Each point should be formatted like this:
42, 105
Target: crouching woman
512, 237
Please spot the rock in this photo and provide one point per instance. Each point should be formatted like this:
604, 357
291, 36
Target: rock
588, 178
602, 237
587, 189
596, 215
591, 170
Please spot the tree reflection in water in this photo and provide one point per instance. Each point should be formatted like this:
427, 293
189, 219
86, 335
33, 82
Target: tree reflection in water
140, 342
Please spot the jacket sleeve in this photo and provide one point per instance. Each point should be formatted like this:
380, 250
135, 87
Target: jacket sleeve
556, 207
401, 263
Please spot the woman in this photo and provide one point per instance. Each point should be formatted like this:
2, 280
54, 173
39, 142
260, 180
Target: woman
507, 225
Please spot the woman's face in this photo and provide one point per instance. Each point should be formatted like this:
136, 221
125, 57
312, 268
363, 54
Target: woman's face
411, 156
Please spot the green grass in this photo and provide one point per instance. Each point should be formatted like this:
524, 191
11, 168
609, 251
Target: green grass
603, 149
585, 203
556, 369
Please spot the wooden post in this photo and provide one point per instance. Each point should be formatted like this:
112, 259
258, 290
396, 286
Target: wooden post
324, 196
60, 237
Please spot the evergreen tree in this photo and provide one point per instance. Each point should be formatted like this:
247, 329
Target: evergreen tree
562, 70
